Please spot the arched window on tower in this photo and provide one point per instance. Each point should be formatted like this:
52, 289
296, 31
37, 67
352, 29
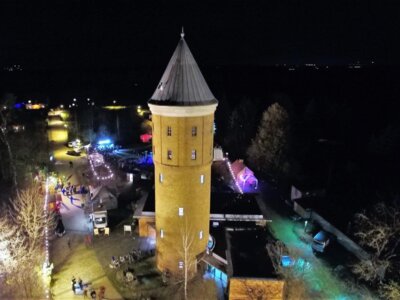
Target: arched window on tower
193, 154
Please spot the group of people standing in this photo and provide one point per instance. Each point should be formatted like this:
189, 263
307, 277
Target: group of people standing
78, 287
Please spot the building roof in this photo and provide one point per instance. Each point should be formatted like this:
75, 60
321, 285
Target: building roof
247, 255
182, 83
228, 205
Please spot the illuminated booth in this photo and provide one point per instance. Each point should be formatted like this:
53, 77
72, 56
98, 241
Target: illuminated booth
244, 176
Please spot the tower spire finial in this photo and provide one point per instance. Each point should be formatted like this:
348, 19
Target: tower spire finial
182, 33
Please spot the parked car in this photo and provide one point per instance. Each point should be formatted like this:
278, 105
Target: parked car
320, 241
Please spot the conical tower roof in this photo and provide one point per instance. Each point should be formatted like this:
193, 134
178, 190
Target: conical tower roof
182, 83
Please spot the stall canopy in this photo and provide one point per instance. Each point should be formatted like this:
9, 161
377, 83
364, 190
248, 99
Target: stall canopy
244, 176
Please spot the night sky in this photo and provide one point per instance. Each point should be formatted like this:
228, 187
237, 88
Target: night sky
117, 33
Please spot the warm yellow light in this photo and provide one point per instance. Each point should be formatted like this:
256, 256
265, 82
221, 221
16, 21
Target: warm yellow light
114, 107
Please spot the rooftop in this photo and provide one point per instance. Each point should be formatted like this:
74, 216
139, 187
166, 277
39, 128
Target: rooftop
182, 83
233, 204
248, 256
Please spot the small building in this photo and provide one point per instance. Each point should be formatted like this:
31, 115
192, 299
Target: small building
244, 176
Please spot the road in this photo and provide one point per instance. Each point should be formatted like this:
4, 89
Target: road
70, 255
318, 274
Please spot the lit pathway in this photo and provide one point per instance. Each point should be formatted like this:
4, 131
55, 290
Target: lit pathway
70, 255
317, 273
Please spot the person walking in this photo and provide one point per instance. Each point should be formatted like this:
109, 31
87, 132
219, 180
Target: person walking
73, 281
71, 165
80, 282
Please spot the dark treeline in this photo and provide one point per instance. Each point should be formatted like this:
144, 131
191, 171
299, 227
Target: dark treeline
344, 126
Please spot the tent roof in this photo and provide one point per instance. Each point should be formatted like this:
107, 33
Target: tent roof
182, 83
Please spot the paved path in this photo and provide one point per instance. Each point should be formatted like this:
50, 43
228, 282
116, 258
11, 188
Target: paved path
318, 275
70, 255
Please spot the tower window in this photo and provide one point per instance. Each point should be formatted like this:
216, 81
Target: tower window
201, 234
202, 179
194, 131
180, 211
180, 265
169, 131
161, 233
193, 154
161, 177
169, 154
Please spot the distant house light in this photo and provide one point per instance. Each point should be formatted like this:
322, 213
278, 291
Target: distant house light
180, 211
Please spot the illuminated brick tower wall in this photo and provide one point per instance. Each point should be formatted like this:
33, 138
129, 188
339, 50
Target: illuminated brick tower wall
183, 116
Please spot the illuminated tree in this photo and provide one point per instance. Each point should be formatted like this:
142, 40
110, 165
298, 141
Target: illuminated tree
295, 283
19, 264
268, 150
27, 214
185, 252
21, 245
390, 291
379, 231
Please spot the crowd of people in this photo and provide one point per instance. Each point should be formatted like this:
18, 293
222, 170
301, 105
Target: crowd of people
86, 289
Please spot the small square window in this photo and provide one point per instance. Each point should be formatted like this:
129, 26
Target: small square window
169, 131
193, 154
194, 131
202, 179
180, 211
201, 234
169, 154
161, 233
180, 265
161, 177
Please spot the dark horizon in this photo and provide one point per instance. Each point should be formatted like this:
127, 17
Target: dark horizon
92, 34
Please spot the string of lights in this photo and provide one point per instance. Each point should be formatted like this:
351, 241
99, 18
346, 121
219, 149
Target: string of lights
47, 268
98, 177
233, 175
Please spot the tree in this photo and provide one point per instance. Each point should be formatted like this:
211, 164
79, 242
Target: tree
27, 214
21, 240
268, 150
241, 127
379, 231
7, 101
295, 283
186, 253
390, 291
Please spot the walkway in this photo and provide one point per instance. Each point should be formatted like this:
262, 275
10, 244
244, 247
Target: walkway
70, 255
318, 275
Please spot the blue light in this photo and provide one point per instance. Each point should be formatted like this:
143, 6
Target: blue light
286, 261
104, 142
18, 105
